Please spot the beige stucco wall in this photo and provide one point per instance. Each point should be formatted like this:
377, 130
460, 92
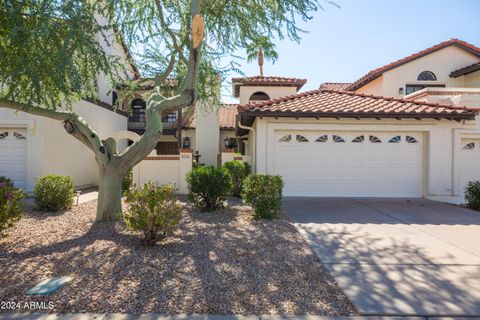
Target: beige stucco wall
441, 137
441, 63
111, 46
374, 87
273, 92
163, 170
207, 133
472, 80
51, 150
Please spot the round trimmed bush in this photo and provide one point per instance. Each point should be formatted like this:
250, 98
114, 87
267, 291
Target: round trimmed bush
208, 187
472, 195
10, 204
154, 211
54, 192
238, 171
264, 193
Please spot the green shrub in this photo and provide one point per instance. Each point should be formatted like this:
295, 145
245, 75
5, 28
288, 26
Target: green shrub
154, 211
208, 187
10, 204
472, 195
238, 172
54, 192
264, 194
6, 181
127, 181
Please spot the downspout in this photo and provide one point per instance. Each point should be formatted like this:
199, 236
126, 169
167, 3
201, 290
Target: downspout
254, 161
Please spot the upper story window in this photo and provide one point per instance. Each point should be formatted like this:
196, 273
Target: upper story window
138, 111
411, 88
171, 117
259, 96
427, 76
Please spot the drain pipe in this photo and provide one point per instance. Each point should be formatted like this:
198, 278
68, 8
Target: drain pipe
254, 144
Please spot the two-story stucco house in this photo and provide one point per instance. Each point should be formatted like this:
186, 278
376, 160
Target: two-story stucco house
407, 129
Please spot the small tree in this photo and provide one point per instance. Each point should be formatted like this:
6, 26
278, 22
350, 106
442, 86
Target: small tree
154, 211
51, 55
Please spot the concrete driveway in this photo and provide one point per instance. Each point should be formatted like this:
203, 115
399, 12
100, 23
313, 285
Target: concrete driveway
396, 256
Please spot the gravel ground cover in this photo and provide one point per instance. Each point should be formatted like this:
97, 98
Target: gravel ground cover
218, 263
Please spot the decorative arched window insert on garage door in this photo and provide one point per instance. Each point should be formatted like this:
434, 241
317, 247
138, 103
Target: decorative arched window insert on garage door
301, 138
411, 139
323, 138
286, 138
469, 146
395, 139
359, 139
19, 136
3, 135
337, 138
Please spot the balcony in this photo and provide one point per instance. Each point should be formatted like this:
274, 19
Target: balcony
469, 97
139, 127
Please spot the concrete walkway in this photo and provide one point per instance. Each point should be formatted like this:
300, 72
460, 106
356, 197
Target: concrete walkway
396, 256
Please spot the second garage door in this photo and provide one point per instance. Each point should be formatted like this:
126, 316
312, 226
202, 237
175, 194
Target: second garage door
350, 164
13, 156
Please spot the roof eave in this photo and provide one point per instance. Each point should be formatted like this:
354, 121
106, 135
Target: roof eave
356, 86
248, 114
465, 71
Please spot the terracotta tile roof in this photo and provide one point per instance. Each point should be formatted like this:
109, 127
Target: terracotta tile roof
338, 86
266, 81
372, 75
465, 70
227, 118
330, 103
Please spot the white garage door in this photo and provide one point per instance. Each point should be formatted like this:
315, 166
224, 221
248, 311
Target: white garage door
13, 156
469, 162
360, 164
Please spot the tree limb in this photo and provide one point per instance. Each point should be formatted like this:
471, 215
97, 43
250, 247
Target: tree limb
84, 134
170, 32
43, 112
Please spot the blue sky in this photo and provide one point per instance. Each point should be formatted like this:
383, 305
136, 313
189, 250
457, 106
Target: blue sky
344, 43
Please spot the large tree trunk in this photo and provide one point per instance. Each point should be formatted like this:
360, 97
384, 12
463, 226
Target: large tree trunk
109, 205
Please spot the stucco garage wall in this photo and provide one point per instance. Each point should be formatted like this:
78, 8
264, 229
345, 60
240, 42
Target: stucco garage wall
35, 129
50, 150
441, 144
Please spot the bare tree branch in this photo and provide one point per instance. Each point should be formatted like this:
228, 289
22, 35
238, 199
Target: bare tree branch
84, 134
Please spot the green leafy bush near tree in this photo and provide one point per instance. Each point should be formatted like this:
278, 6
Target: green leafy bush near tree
264, 193
6, 181
238, 171
472, 195
208, 187
127, 181
54, 192
154, 211
10, 204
